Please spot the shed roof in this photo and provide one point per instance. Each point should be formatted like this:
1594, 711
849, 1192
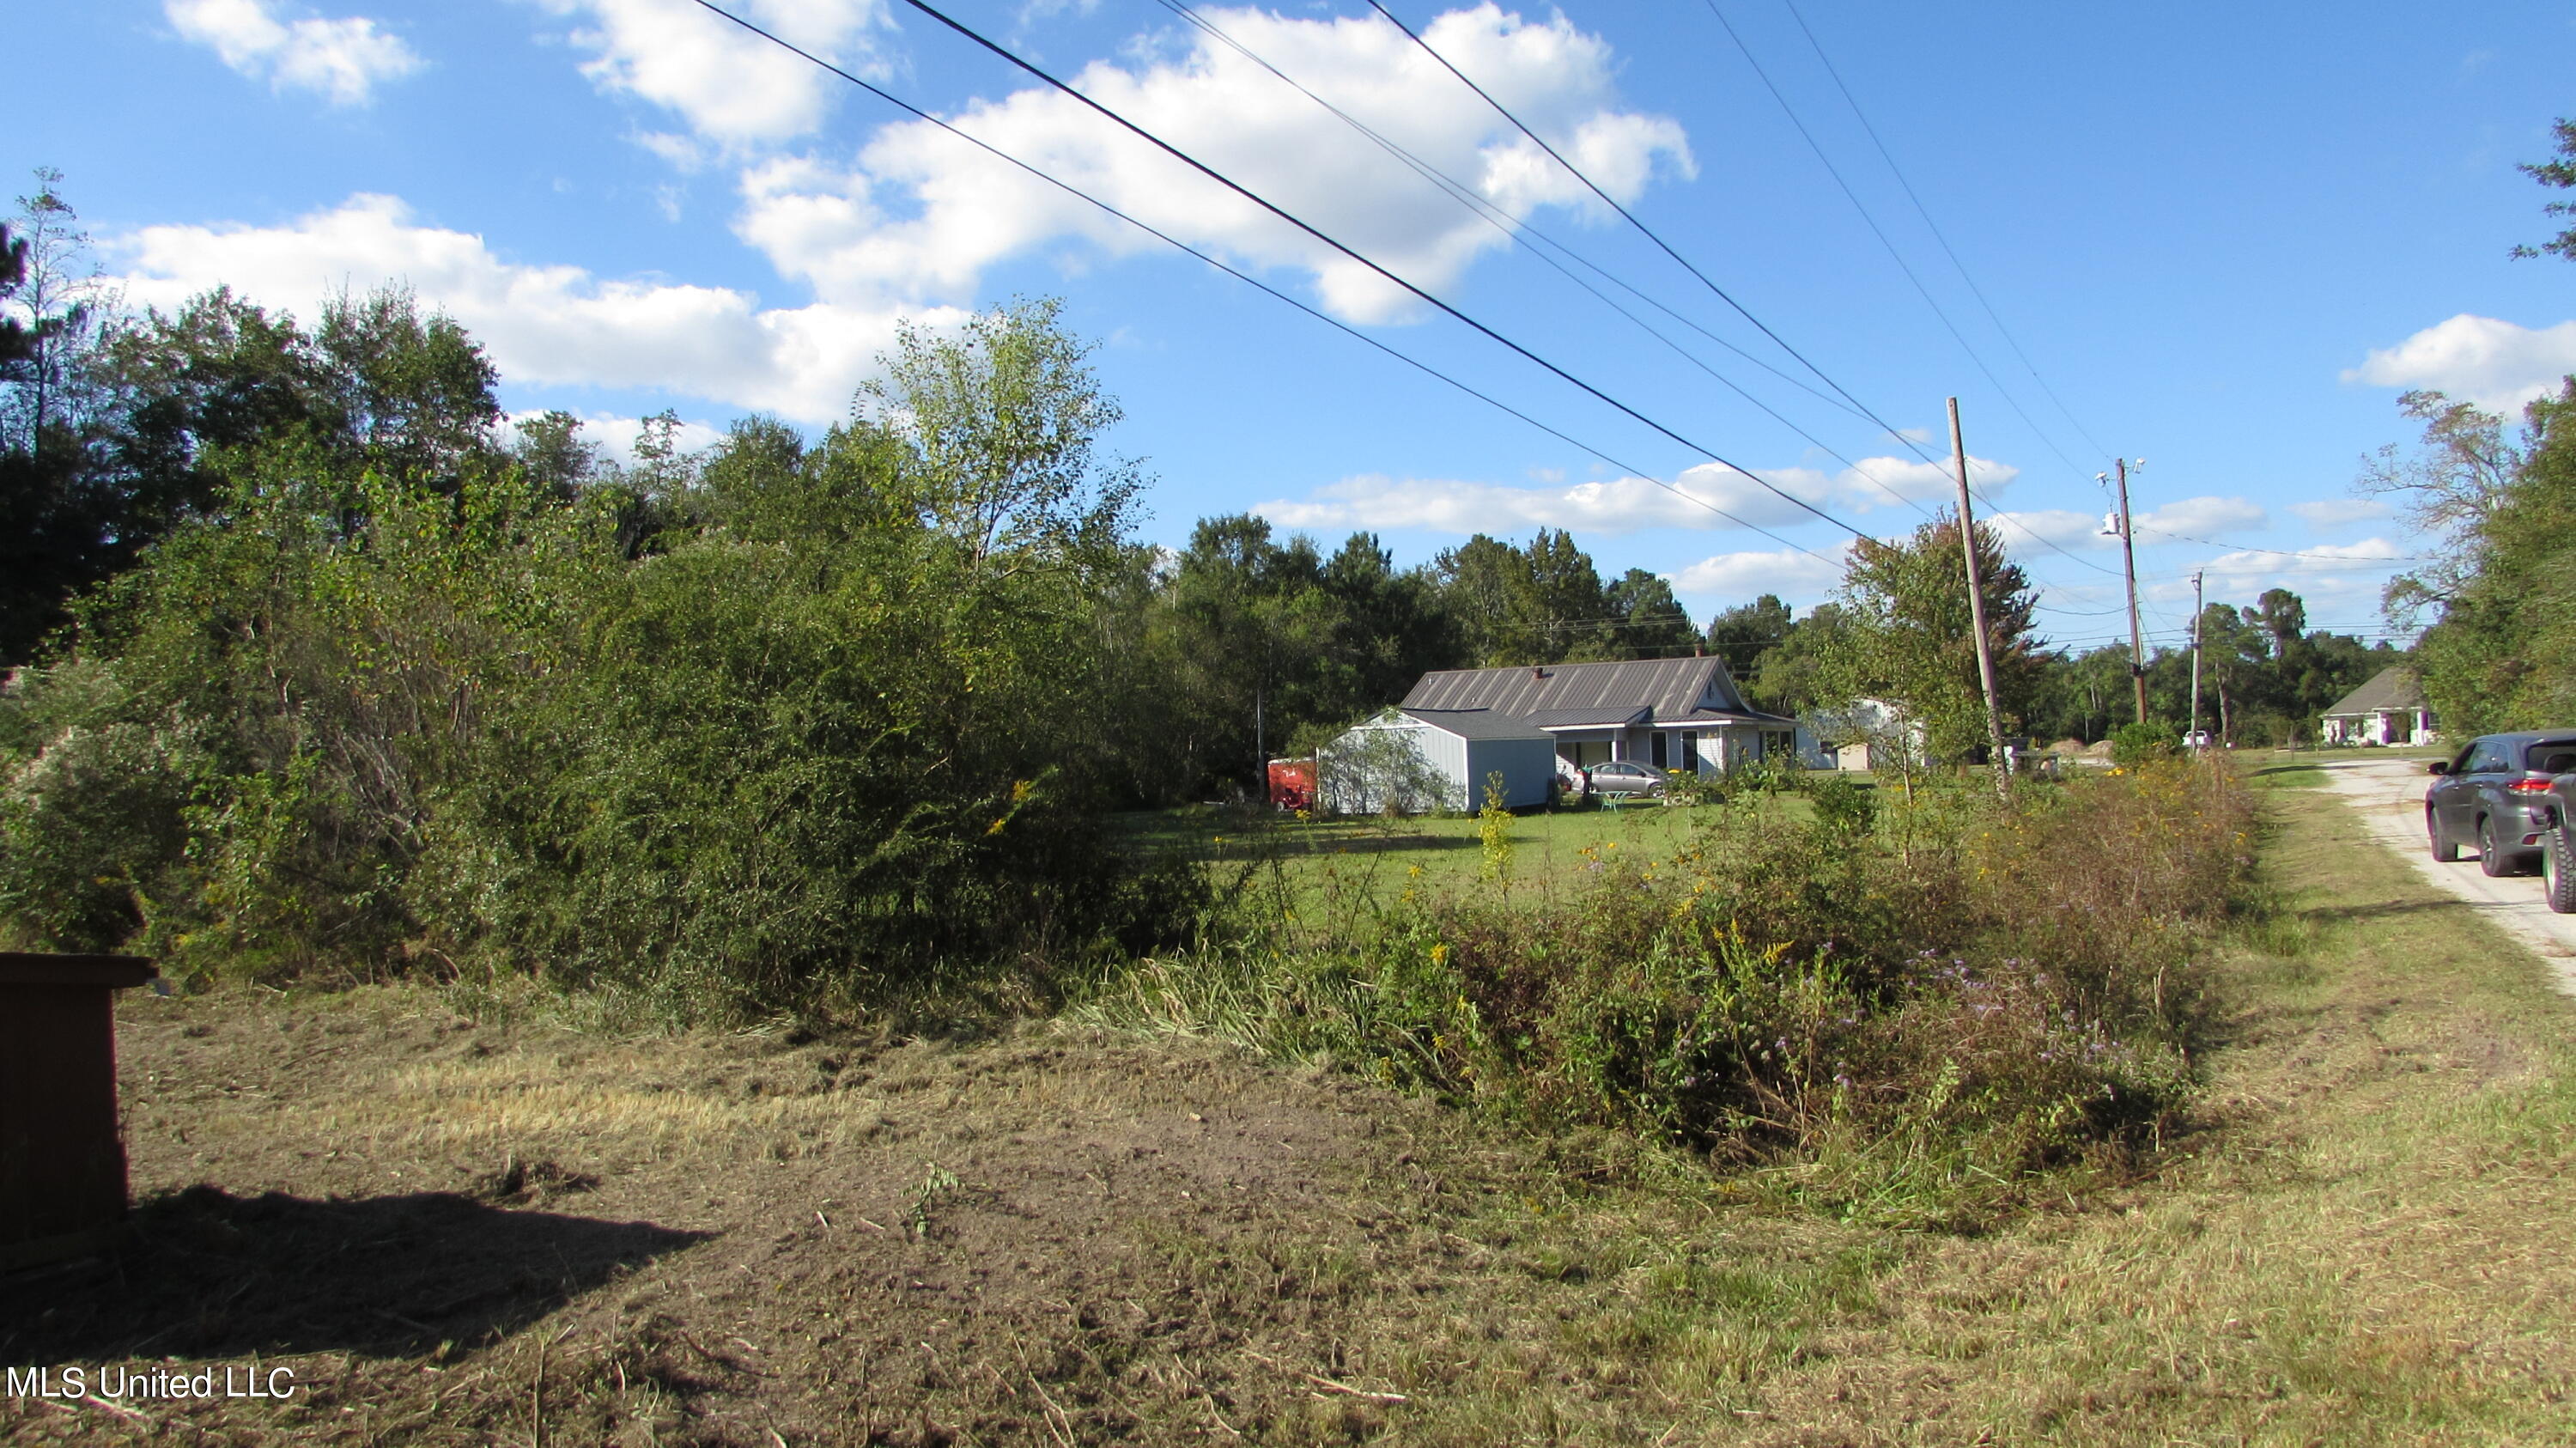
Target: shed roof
2396, 687
1474, 723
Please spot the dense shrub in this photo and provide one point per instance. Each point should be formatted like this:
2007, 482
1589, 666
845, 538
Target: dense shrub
1901, 1021
794, 725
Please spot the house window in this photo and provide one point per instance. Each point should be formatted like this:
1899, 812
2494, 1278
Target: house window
1659, 748
1690, 751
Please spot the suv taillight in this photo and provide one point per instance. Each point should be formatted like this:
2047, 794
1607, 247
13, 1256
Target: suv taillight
2528, 786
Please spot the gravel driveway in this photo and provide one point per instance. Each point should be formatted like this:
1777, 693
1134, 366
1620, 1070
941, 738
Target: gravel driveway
2389, 795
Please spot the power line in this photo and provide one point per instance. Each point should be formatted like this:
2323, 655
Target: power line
1176, 153
1512, 229
1883, 239
1937, 234
2276, 552
1666, 247
1902, 265
1262, 286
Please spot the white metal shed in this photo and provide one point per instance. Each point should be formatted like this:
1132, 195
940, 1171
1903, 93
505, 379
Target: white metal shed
1415, 760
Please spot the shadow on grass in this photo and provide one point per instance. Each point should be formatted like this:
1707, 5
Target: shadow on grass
211, 1275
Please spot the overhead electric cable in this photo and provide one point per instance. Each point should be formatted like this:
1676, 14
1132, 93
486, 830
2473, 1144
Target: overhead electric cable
1722, 294
1519, 227
1176, 153
1626, 215
1887, 241
2276, 552
1512, 228
1321, 316
1937, 234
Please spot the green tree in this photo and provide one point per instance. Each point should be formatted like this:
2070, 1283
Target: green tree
1648, 622
2558, 172
735, 732
1542, 604
2498, 504
1000, 424
60, 526
1908, 638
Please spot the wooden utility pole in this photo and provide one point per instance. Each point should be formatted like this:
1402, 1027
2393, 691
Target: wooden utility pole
2129, 569
2196, 607
1997, 765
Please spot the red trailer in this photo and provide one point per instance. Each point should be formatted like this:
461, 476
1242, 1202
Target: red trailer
1292, 783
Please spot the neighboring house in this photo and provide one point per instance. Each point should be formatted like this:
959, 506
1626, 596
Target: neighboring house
2390, 709
1683, 715
1869, 734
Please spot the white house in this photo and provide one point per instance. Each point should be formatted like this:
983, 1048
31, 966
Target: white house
2390, 709
1869, 734
1683, 715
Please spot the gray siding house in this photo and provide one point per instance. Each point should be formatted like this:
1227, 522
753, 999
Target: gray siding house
1676, 714
1683, 715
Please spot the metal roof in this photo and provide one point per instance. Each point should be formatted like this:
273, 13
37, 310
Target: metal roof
2394, 687
1611, 693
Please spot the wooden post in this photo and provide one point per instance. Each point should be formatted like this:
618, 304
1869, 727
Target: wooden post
2196, 607
2129, 569
62, 1166
1996, 764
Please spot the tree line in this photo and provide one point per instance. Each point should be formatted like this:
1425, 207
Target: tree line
317, 656
2497, 588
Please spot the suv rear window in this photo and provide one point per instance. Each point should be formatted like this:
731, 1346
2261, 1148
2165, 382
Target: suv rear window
2551, 756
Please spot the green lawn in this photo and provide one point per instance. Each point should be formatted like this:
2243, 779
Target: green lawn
1324, 862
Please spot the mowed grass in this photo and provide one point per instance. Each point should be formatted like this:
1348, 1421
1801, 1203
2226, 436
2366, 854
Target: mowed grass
2368, 1237
1323, 863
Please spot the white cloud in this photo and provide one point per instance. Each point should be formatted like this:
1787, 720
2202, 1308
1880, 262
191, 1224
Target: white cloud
2336, 512
2062, 526
2325, 558
2200, 517
340, 59
1707, 496
542, 324
921, 213
2497, 365
2341, 582
731, 87
1737, 576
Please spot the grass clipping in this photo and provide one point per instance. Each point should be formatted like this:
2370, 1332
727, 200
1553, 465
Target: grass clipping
1903, 1016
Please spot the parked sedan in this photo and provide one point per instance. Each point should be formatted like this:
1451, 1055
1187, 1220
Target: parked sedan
1635, 781
2494, 797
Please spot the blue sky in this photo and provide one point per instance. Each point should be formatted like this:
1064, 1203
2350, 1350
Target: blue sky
2225, 237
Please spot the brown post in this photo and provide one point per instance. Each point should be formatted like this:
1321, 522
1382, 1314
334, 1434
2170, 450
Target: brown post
2129, 571
62, 1164
1996, 764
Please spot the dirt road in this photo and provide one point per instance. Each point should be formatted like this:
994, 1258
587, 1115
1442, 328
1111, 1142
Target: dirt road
2389, 794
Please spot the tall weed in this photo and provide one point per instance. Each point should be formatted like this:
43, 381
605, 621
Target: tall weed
1904, 1023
